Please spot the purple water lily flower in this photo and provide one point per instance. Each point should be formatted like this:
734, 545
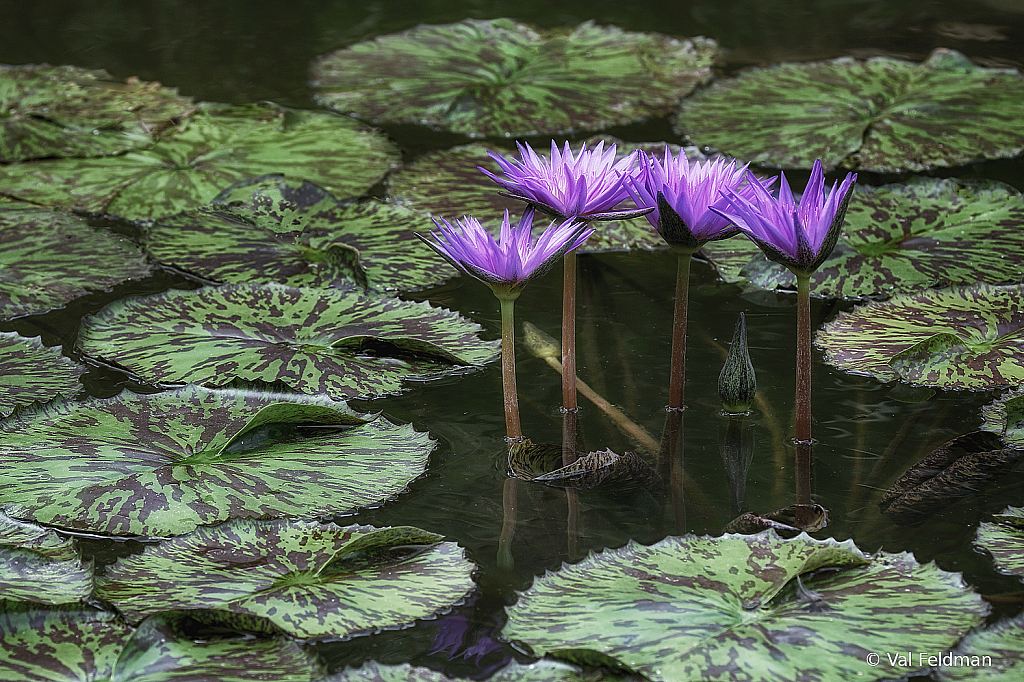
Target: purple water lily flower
586, 186
683, 194
800, 236
515, 259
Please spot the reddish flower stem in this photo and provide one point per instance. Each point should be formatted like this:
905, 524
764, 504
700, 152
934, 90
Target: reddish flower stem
569, 332
677, 371
803, 358
513, 430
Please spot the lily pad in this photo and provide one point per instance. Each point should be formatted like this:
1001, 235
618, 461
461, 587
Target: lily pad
38, 539
544, 670
448, 184
311, 579
78, 643
500, 77
165, 463
905, 237
1005, 416
50, 257
882, 114
38, 565
698, 608
1003, 537
31, 372
59, 111
295, 233
949, 338
218, 146
990, 654
312, 340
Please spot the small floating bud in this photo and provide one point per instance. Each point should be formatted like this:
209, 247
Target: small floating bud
737, 383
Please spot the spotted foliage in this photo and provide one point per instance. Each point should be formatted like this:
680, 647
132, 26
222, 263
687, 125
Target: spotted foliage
999, 642
544, 670
31, 372
164, 463
882, 114
950, 338
324, 341
311, 579
699, 608
1003, 538
502, 78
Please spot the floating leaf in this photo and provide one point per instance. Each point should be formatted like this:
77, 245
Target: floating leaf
313, 340
448, 184
218, 146
311, 579
544, 670
28, 576
42, 541
79, 643
787, 522
500, 77
990, 654
31, 372
956, 469
66, 111
690, 608
1005, 416
904, 237
950, 338
51, 257
882, 114
1003, 537
295, 233
162, 464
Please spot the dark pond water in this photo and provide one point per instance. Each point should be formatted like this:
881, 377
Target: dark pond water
234, 51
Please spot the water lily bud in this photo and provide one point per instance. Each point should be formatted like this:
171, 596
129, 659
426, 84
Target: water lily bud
737, 383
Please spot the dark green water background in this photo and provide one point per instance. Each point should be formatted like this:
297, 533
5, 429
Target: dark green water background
243, 51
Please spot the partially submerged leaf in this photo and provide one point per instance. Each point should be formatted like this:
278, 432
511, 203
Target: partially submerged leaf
882, 114
50, 257
690, 608
327, 341
278, 230
218, 146
950, 338
990, 654
164, 463
26, 575
38, 539
501, 78
1003, 538
958, 468
1005, 416
787, 522
312, 579
544, 670
31, 372
607, 470
60, 111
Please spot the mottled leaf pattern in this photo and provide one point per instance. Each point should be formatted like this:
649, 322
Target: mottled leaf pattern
218, 146
999, 642
904, 237
50, 257
448, 185
313, 340
544, 670
66, 111
38, 539
1005, 416
950, 338
31, 372
312, 579
295, 233
28, 576
59, 643
1003, 537
162, 464
690, 608
881, 114
502, 78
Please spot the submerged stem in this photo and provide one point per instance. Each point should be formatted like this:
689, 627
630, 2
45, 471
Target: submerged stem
569, 332
508, 368
677, 373
803, 357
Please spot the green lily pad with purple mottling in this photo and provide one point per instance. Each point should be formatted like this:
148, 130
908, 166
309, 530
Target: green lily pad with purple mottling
40, 566
903, 237
216, 147
544, 670
161, 464
324, 341
880, 114
1005, 416
989, 654
752, 607
957, 338
31, 372
65, 111
1003, 538
50, 257
79, 643
448, 184
296, 233
502, 78
311, 579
